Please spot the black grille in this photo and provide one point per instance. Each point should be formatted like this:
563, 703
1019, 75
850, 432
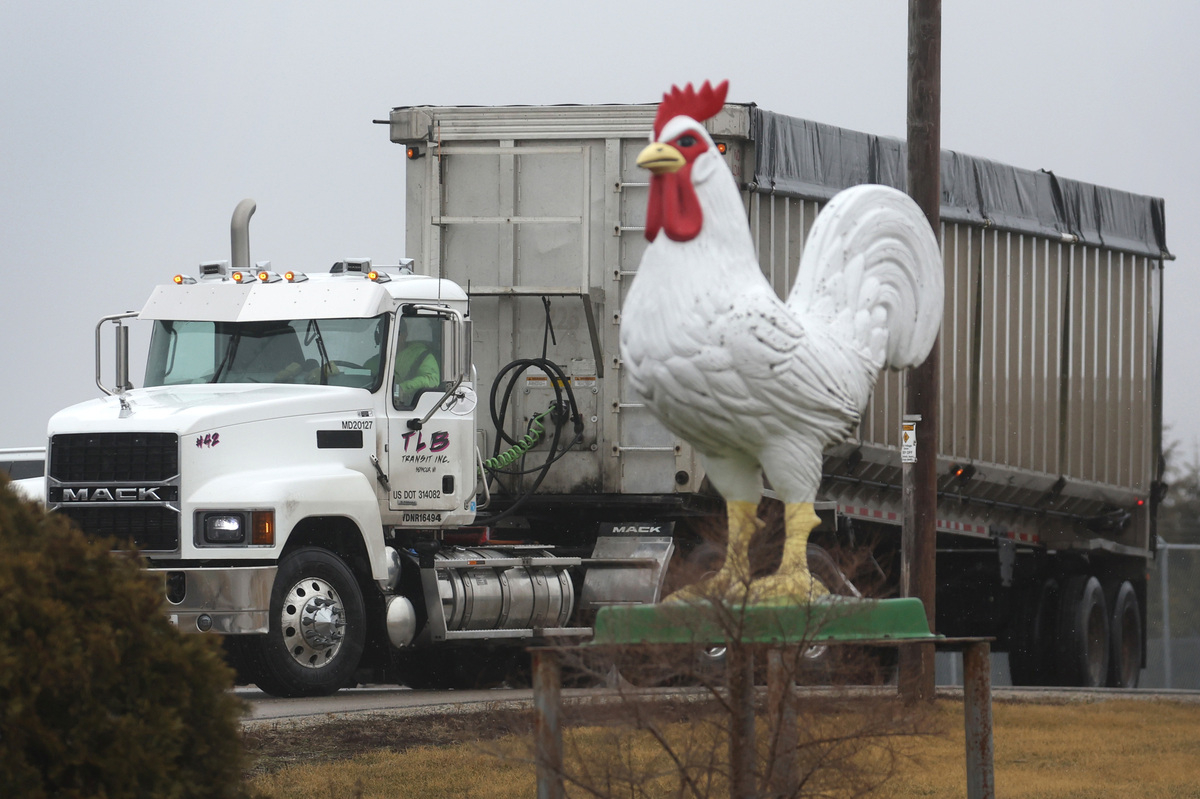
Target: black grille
114, 457
150, 529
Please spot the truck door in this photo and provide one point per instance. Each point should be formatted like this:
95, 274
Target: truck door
431, 450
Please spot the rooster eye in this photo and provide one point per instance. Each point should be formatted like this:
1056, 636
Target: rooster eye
686, 141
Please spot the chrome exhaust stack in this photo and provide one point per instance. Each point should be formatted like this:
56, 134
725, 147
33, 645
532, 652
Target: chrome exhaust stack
239, 233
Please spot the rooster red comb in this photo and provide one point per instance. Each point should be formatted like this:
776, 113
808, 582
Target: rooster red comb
699, 105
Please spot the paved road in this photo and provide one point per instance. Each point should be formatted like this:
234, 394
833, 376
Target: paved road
371, 700
392, 700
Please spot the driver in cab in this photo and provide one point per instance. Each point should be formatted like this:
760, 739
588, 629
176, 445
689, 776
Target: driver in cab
416, 367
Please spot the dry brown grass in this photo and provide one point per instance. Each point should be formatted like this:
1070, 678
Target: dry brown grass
1043, 751
1069, 751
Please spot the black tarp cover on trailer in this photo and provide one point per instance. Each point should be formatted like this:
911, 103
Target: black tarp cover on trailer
799, 158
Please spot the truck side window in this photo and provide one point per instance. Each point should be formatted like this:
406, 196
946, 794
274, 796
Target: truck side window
418, 359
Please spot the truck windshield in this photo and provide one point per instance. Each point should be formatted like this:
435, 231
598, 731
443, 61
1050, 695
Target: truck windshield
336, 352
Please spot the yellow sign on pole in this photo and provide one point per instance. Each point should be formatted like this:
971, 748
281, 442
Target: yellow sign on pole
908, 442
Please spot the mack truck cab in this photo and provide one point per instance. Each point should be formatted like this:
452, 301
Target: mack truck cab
300, 447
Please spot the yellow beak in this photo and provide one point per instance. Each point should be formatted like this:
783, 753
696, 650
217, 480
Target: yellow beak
661, 159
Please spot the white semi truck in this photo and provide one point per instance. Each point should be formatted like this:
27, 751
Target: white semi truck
419, 473
302, 449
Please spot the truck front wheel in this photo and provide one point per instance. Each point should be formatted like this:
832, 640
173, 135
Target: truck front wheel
317, 628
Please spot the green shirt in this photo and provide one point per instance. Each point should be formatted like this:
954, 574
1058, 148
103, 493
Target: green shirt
416, 368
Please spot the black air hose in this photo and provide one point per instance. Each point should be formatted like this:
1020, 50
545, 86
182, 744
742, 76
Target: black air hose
562, 409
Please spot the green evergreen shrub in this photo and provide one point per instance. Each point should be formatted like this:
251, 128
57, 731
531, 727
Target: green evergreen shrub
99, 694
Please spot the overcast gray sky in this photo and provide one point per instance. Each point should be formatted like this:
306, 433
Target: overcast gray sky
129, 130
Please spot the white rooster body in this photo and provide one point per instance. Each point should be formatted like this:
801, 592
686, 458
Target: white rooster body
755, 383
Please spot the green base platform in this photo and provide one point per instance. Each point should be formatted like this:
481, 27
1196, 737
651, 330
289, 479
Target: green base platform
826, 620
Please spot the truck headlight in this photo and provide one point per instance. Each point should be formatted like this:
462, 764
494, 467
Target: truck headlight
224, 528
234, 528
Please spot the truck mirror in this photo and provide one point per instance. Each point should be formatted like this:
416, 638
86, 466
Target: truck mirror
122, 353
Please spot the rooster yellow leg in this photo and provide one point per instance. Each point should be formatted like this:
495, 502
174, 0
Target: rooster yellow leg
733, 579
792, 582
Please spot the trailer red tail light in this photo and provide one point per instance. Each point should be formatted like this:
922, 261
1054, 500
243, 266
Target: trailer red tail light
962, 472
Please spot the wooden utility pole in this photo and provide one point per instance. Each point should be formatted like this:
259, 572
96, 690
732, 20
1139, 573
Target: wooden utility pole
921, 399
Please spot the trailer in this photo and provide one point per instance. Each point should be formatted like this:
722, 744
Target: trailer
25, 467
1050, 429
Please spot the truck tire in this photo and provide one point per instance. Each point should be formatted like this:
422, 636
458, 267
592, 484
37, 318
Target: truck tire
1030, 651
317, 628
1082, 634
1125, 636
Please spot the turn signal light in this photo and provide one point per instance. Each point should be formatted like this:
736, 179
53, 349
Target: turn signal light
262, 528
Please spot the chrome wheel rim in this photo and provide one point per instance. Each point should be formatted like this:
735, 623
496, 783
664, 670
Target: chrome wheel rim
313, 622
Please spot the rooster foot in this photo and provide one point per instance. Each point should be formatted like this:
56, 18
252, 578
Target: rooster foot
732, 581
794, 588
727, 585
792, 582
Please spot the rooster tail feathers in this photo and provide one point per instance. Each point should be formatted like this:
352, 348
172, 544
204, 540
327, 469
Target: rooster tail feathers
872, 269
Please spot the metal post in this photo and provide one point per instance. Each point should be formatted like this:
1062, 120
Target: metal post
739, 676
547, 703
784, 769
977, 716
1164, 552
917, 669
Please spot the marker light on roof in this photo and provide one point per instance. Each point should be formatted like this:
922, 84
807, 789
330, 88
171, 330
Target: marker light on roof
238, 277
295, 277
267, 276
379, 277
183, 280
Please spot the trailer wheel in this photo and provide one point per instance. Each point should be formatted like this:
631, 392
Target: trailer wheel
1030, 652
1125, 635
1082, 633
317, 628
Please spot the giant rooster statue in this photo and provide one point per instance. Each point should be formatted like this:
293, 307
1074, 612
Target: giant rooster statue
752, 382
